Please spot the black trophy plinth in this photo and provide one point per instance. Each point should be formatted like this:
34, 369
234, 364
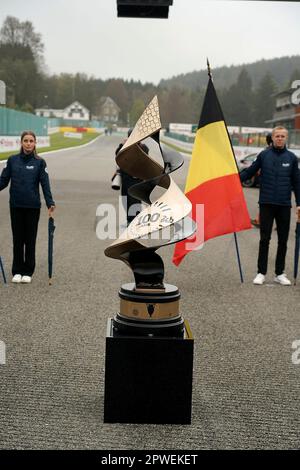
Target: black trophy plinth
149, 359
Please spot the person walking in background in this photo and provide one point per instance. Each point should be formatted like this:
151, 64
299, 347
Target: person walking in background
25, 171
279, 176
126, 182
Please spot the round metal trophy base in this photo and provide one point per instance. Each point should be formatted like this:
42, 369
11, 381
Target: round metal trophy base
149, 312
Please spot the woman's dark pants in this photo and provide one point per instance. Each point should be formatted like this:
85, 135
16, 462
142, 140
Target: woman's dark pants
24, 224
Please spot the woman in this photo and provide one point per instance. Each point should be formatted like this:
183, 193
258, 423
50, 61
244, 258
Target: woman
26, 171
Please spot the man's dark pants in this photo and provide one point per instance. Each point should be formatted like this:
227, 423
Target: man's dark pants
24, 224
282, 217
127, 182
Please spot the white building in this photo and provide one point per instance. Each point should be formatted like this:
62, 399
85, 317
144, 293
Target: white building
74, 111
49, 112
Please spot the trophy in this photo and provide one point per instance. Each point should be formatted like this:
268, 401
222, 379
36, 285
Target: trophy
148, 333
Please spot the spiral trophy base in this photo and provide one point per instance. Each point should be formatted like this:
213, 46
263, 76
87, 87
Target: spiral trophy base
149, 312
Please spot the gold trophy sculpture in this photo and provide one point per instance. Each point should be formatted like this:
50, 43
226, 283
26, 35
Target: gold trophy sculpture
149, 347
149, 306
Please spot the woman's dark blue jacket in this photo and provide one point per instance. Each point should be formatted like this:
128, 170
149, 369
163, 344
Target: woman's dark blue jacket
26, 172
279, 176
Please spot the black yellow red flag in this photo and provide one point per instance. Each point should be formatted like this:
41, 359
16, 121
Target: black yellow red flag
213, 179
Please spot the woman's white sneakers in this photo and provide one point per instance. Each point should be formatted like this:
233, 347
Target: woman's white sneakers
17, 279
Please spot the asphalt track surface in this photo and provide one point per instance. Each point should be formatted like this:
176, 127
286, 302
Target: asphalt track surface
245, 389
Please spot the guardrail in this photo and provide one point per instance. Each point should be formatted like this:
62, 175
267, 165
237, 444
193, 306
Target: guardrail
240, 139
240, 151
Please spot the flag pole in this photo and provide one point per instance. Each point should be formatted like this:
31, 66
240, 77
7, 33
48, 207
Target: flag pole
234, 233
208, 68
238, 257
2, 269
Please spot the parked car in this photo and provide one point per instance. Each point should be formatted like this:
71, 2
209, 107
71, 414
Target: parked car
245, 163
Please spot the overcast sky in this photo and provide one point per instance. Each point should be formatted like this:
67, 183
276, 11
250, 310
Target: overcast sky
86, 36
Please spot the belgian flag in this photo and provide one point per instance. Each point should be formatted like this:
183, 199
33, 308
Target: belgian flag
213, 178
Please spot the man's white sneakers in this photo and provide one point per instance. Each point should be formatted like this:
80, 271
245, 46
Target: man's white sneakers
282, 279
26, 279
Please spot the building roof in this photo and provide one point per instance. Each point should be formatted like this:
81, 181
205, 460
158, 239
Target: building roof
289, 117
76, 104
108, 100
284, 92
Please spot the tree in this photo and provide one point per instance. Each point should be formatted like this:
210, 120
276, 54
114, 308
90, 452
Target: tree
295, 75
116, 90
136, 111
196, 101
20, 75
176, 106
64, 90
238, 101
27, 108
264, 100
10, 31
20, 57
15, 32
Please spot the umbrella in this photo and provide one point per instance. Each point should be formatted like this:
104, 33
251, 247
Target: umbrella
297, 248
51, 228
2, 269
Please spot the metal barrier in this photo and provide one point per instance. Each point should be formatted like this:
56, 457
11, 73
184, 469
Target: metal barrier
245, 140
15, 122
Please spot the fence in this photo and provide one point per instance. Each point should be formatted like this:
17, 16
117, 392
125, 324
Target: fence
61, 122
245, 140
13, 123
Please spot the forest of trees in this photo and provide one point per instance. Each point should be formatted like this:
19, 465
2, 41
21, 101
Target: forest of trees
246, 92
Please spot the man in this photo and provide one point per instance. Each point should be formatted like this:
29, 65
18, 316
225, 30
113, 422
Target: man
133, 206
279, 176
255, 222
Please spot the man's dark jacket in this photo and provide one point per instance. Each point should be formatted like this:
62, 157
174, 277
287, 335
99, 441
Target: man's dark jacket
278, 177
128, 180
26, 172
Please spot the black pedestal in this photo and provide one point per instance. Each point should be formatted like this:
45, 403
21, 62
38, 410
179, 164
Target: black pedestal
148, 379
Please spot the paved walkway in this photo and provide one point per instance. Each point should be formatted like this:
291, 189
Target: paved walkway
246, 388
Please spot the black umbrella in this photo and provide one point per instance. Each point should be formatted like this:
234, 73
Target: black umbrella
51, 228
2, 269
297, 249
